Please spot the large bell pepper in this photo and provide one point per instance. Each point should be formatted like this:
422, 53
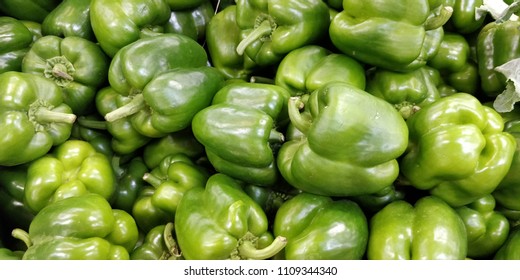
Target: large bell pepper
117, 23
191, 22
31, 10
486, 228
465, 19
80, 228
457, 149
239, 132
33, 117
510, 250
158, 244
70, 18
427, 230
408, 91
221, 222
350, 145
15, 40
272, 28
319, 228
168, 182
393, 34
77, 65
222, 39
73, 168
306, 69
497, 43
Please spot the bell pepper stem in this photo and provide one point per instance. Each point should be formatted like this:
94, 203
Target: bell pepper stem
264, 29
44, 115
152, 179
173, 249
276, 137
135, 105
247, 249
60, 70
22, 235
441, 15
301, 122
92, 124
261, 80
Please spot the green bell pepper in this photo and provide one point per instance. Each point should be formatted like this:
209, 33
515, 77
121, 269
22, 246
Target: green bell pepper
222, 38
486, 228
464, 17
70, 18
182, 141
129, 176
319, 228
31, 10
8, 254
392, 34
239, 132
191, 22
117, 23
168, 182
497, 43
77, 65
373, 203
169, 100
15, 40
308, 68
428, 230
92, 129
351, 142
457, 149
270, 198
73, 168
125, 138
510, 250
407, 91
80, 228
158, 244
221, 221
271, 28
13, 211
33, 117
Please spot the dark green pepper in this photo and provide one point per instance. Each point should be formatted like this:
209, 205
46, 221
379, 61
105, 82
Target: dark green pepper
427, 230
158, 244
15, 40
80, 228
191, 22
69, 18
33, 117
13, 210
32, 10
92, 129
350, 144
75, 64
318, 228
271, 29
221, 222
129, 176
463, 19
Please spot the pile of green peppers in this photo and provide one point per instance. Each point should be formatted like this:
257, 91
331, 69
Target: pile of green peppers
259, 129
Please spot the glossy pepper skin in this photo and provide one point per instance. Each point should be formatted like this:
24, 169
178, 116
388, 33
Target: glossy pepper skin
318, 228
75, 64
33, 117
129, 176
463, 18
221, 222
158, 244
125, 138
392, 34
15, 40
13, 211
73, 168
306, 69
31, 10
191, 22
351, 140
269, 31
453, 60
487, 229
70, 18
496, 45
239, 132
457, 149
80, 228
510, 250
407, 91
167, 183
222, 39
402, 231
170, 100
117, 23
